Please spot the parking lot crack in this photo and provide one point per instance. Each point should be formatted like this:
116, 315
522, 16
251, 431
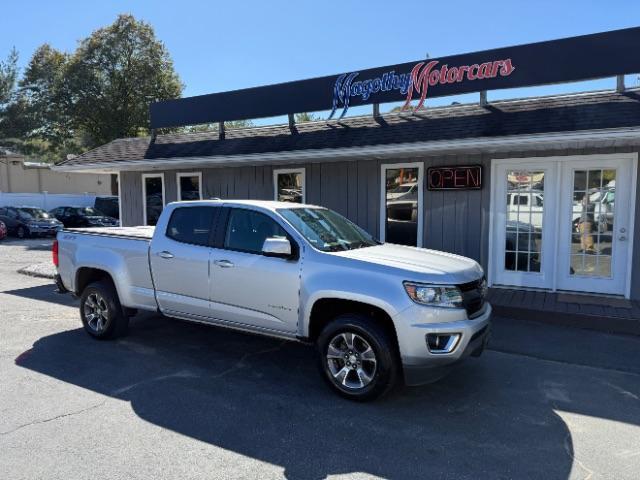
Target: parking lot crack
54, 418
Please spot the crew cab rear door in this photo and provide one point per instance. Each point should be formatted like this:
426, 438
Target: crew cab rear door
180, 259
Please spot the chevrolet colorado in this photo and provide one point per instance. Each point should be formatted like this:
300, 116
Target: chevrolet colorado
379, 314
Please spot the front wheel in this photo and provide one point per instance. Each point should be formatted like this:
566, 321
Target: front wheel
357, 358
101, 313
22, 232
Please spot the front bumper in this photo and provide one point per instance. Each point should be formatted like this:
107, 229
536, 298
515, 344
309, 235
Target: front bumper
422, 365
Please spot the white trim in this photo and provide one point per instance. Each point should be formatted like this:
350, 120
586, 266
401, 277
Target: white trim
144, 193
632, 219
290, 170
512, 142
119, 198
383, 200
179, 175
495, 163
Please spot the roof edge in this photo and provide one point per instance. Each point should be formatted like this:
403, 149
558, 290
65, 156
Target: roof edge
493, 144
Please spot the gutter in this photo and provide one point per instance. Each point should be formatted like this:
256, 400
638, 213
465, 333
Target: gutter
581, 139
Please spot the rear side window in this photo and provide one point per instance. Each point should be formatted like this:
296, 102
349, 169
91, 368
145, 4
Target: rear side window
191, 225
247, 230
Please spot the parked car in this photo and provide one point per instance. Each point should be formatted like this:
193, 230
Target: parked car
3, 230
74, 217
108, 205
378, 313
27, 221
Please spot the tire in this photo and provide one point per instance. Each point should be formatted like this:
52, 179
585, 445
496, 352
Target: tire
22, 232
370, 378
100, 298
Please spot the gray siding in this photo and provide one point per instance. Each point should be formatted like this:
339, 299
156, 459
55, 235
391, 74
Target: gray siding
454, 221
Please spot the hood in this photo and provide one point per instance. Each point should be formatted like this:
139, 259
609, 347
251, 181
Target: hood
437, 266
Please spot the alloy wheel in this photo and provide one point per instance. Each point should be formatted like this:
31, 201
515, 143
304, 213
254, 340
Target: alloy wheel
351, 361
96, 312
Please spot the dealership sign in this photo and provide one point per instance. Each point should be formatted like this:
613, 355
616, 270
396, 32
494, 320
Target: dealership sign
422, 76
454, 178
566, 60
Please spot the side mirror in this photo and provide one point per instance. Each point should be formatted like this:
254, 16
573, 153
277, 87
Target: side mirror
276, 247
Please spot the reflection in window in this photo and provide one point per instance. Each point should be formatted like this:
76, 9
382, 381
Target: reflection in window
189, 187
154, 198
290, 186
247, 230
191, 225
592, 222
401, 198
525, 211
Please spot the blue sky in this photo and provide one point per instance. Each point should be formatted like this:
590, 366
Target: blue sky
218, 46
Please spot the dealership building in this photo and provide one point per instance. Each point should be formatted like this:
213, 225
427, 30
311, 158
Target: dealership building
542, 191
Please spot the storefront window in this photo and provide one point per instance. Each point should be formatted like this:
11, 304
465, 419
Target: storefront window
289, 185
592, 222
153, 196
525, 213
402, 194
189, 186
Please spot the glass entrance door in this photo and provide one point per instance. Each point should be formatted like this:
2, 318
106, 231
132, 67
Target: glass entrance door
563, 223
523, 224
593, 250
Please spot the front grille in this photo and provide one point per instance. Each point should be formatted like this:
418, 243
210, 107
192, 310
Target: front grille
472, 296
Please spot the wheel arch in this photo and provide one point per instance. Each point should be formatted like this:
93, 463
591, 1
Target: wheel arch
325, 309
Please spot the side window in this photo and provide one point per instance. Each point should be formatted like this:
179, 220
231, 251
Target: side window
191, 224
3, 211
11, 213
539, 201
247, 230
522, 200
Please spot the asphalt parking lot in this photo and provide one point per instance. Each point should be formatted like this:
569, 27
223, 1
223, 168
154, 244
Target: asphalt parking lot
179, 400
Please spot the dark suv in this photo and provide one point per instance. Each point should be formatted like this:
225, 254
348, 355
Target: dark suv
74, 217
26, 221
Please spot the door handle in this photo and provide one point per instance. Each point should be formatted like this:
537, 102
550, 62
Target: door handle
224, 263
165, 254
622, 238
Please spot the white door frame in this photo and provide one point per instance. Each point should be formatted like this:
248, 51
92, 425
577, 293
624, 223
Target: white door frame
531, 162
383, 198
144, 193
179, 175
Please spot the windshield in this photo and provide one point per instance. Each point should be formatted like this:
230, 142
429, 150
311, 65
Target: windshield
327, 230
33, 213
89, 211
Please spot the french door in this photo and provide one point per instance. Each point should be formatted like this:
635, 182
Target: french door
563, 223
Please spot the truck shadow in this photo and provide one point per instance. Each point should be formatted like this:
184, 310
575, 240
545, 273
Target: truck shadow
264, 399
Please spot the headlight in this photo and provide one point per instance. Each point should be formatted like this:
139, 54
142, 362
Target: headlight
447, 296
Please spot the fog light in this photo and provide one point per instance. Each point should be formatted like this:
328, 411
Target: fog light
442, 342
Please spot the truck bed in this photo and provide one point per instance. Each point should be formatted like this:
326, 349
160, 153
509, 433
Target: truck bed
122, 252
141, 232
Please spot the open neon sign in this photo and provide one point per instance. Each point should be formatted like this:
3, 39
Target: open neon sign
454, 178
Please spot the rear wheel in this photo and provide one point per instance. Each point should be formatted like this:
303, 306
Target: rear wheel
357, 358
101, 313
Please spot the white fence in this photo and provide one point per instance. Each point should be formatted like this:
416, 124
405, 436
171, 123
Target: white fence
45, 200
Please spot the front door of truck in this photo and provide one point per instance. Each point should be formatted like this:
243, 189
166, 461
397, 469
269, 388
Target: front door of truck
247, 287
180, 262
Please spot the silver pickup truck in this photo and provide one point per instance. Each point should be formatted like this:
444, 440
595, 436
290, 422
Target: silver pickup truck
379, 314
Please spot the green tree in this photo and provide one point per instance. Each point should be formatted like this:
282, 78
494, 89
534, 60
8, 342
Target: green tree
42, 99
8, 76
305, 117
113, 77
